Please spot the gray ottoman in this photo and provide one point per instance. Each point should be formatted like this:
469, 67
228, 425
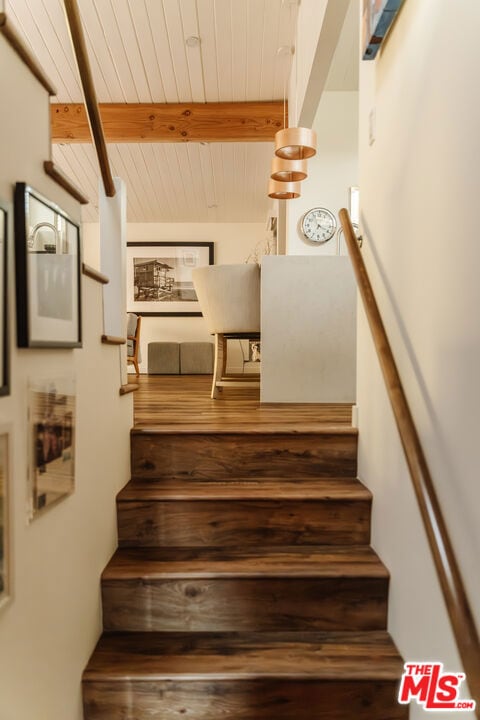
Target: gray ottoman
163, 358
196, 358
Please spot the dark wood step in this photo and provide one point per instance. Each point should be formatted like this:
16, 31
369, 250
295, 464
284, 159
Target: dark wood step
173, 452
251, 676
269, 511
213, 589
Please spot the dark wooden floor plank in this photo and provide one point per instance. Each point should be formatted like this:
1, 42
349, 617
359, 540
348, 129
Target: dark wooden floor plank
326, 489
200, 656
244, 513
280, 676
244, 700
221, 456
224, 589
299, 561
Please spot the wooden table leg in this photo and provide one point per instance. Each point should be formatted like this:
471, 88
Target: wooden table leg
220, 363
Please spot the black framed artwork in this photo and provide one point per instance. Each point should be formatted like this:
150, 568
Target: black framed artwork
48, 273
159, 277
4, 341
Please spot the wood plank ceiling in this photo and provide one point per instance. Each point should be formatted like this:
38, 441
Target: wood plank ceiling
139, 53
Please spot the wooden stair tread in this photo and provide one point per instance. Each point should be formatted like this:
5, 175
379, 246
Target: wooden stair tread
234, 428
270, 489
155, 563
149, 656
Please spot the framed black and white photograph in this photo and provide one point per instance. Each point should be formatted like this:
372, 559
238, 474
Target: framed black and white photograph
52, 443
48, 272
159, 277
5, 590
4, 349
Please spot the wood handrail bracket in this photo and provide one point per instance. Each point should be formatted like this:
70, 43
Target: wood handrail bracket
128, 388
90, 272
91, 103
458, 606
11, 35
113, 340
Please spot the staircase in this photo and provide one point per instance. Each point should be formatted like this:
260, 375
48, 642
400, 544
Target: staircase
244, 587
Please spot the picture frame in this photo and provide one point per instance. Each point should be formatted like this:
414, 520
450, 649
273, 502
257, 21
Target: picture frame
52, 420
4, 287
48, 273
377, 18
5, 562
159, 277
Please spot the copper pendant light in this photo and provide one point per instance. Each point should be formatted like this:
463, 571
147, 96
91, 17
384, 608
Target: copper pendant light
295, 143
283, 190
288, 170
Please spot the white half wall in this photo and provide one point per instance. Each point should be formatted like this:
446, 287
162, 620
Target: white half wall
419, 211
330, 172
308, 330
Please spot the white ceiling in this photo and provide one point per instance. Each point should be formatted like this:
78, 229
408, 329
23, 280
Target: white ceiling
138, 53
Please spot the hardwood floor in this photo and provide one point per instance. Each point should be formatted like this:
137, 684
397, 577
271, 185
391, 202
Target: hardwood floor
185, 400
244, 587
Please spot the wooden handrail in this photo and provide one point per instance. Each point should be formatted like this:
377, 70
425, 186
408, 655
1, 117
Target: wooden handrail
446, 564
93, 113
61, 179
17, 43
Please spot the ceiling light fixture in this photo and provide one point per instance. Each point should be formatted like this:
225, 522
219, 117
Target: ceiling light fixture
288, 170
295, 143
283, 190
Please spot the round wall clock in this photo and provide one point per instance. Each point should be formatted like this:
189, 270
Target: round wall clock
319, 225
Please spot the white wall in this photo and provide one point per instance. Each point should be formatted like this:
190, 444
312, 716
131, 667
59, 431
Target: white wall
233, 243
419, 204
50, 626
331, 171
308, 330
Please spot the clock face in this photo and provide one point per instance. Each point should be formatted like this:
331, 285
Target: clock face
319, 225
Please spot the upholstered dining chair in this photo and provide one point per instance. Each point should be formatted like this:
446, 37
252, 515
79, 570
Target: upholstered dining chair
133, 341
229, 297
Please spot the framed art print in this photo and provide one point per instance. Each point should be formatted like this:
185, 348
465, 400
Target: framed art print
4, 348
377, 17
48, 273
52, 442
159, 277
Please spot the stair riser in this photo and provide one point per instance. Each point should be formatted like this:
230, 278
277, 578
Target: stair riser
243, 700
237, 523
240, 604
156, 456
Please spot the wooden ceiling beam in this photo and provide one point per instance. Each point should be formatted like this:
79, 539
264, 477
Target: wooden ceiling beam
183, 122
